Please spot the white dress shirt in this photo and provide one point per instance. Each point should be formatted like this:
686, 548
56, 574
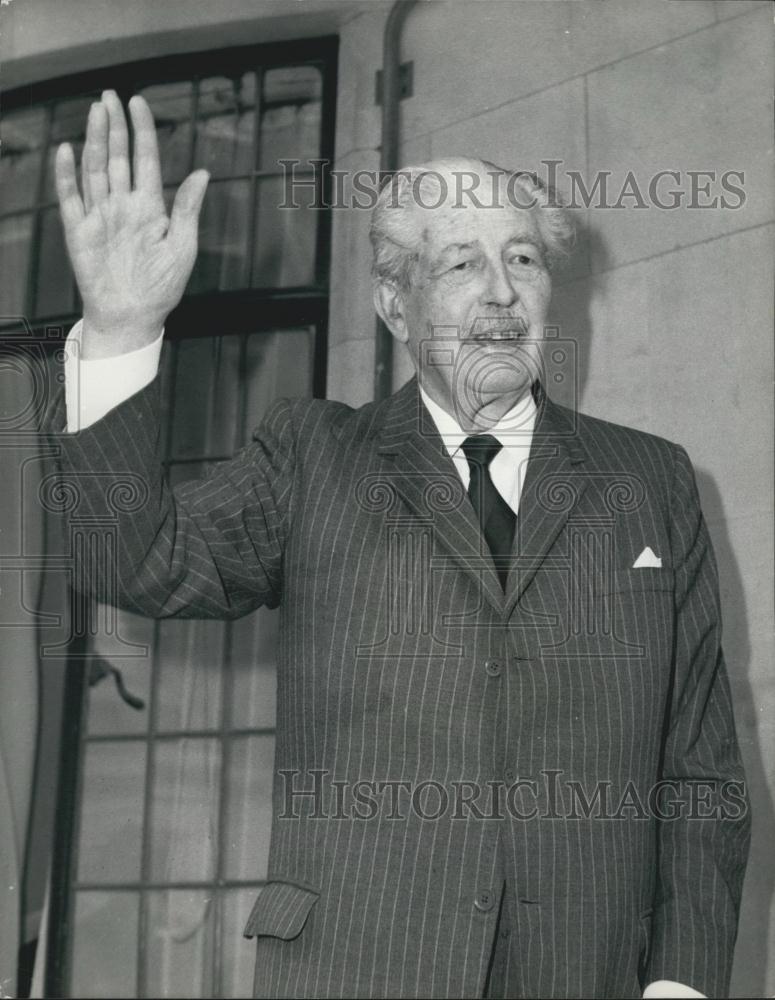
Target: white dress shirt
92, 388
514, 431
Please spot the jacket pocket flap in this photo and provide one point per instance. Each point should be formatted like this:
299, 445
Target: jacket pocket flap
281, 910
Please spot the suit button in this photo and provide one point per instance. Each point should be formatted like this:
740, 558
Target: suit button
493, 668
509, 775
484, 901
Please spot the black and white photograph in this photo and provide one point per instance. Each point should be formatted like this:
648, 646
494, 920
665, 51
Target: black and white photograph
387, 536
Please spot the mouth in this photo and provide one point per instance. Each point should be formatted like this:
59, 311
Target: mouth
507, 328
500, 335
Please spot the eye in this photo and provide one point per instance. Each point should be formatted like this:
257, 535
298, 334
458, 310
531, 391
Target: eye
523, 259
464, 265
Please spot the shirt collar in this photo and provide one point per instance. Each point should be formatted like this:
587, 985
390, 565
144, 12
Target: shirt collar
514, 429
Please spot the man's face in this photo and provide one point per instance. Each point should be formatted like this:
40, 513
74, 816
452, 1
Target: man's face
474, 312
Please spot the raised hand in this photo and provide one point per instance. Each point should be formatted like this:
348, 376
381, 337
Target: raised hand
131, 260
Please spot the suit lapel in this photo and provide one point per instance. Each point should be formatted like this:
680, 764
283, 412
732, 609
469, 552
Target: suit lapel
551, 490
420, 470
422, 473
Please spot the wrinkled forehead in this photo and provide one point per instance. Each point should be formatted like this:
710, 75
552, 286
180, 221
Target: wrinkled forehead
467, 199
468, 205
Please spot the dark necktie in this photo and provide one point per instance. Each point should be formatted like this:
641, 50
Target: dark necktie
496, 518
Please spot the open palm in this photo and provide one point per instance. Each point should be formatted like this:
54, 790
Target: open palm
131, 260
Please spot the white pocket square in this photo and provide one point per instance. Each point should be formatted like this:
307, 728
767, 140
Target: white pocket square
647, 559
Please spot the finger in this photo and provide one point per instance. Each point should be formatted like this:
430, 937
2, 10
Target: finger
146, 162
94, 162
87, 198
118, 144
186, 209
70, 204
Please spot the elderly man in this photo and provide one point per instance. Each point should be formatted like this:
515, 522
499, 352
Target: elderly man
506, 759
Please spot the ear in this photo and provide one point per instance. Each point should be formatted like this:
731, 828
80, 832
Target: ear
389, 303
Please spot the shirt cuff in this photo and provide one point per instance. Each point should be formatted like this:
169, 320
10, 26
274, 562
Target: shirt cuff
667, 988
94, 387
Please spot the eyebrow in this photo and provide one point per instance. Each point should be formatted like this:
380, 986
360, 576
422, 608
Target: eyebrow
454, 247
527, 238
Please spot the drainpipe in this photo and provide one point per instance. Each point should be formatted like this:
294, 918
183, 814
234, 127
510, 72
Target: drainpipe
388, 161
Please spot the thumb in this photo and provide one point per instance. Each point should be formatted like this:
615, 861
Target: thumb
186, 208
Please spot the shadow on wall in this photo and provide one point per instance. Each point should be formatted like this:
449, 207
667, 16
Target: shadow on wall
749, 974
572, 317
570, 314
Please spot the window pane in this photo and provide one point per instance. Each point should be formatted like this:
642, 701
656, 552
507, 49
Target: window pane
55, 292
179, 946
254, 670
238, 954
70, 118
105, 945
21, 154
169, 352
279, 363
249, 806
284, 235
184, 822
15, 238
225, 125
172, 107
182, 472
291, 131
25, 389
291, 116
207, 392
292, 85
223, 238
108, 712
189, 674
69, 125
112, 812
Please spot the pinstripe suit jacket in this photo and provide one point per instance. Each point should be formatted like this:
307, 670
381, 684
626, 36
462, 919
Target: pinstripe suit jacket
496, 738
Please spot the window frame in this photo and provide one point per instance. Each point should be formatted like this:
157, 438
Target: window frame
198, 315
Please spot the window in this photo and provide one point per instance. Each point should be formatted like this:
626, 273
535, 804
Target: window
165, 803
238, 116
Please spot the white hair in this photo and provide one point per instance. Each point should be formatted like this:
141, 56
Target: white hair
394, 232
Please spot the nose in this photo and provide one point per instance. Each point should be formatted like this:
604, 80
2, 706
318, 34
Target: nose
499, 290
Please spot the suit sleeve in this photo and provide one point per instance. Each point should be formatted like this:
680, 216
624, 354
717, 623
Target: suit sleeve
703, 843
209, 548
